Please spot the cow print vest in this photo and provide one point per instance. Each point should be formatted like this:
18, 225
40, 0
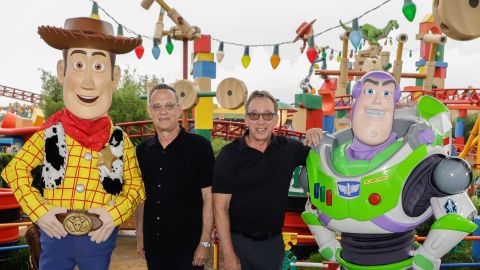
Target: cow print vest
56, 154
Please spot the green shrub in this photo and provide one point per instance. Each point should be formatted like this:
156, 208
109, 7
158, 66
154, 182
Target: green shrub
217, 145
4, 160
18, 259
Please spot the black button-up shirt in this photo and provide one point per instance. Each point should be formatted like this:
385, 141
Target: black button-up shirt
258, 182
173, 179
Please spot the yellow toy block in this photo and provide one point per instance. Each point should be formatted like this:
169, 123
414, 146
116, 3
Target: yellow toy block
289, 240
204, 84
37, 117
299, 121
422, 70
23, 122
204, 57
204, 113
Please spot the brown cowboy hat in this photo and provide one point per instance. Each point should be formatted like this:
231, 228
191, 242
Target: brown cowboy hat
87, 33
303, 29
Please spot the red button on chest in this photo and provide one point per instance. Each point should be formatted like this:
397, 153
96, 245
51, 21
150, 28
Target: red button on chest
374, 199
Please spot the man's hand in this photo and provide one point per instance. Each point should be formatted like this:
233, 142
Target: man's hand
140, 246
231, 262
104, 232
200, 256
50, 224
313, 137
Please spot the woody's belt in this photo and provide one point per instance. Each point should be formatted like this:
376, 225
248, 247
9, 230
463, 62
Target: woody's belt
79, 222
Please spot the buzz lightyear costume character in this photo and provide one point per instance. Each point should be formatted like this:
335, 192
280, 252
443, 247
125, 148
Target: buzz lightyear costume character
375, 182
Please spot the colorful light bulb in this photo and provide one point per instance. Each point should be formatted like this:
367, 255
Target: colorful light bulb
275, 58
94, 14
120, 31
220, 53
246, 57
355, 36
409, 10
139, 50
155, 49
169, 45
330, 57
311, 52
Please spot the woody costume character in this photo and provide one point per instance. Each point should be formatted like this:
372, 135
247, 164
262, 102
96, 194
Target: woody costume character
90, 178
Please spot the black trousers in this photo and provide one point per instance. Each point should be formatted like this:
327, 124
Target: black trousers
161, 261
259, 255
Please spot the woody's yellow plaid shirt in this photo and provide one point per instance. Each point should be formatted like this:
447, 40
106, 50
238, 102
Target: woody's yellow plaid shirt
79, 171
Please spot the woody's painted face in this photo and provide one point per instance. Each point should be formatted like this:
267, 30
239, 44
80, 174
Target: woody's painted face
373, 112
88, 83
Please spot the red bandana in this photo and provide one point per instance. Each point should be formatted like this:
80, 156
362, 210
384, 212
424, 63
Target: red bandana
92, 134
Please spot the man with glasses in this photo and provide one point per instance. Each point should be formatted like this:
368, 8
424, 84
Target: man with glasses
175, 222
250, 184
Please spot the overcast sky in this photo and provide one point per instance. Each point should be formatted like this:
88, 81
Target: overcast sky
23, 53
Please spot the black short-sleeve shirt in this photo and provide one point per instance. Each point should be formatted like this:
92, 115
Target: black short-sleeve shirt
258, 182
173, 179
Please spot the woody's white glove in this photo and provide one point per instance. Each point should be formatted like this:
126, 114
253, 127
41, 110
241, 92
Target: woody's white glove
103, 233
50, 224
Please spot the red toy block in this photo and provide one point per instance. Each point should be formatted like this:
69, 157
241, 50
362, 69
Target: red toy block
314, 119
327, 91
202, 44
440, 73
460, 140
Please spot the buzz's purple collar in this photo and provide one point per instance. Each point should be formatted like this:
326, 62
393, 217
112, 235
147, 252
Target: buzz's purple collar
360, 151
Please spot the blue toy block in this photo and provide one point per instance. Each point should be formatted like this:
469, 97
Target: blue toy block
205, 69
329, 123
422, 62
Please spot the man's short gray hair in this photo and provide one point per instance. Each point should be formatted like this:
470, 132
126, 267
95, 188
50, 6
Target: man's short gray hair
162, 86
261, 94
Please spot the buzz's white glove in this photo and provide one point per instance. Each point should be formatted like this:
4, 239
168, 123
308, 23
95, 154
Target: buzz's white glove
422, 260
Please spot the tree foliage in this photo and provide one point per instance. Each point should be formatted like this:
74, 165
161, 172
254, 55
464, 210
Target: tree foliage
126, 106
52, 92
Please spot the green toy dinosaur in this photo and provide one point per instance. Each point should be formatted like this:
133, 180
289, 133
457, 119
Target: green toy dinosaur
373, 34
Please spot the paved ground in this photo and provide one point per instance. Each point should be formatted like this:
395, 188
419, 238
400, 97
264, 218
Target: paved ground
125, 256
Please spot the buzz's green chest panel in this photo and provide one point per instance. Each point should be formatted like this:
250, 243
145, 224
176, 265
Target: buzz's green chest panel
361, 197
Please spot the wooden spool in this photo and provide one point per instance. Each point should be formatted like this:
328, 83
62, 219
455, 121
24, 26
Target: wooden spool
231, 93
187, 92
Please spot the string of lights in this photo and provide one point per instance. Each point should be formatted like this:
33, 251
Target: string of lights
409, 10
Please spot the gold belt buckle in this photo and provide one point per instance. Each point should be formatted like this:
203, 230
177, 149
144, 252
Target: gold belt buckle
77, 223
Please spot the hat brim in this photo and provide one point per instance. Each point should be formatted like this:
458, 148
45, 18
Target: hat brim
303, 30
61, 39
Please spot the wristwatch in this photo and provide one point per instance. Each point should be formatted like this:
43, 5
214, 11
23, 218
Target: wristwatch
206, 244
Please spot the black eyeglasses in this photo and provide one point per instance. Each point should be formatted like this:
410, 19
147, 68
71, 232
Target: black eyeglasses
169, 106
266, 116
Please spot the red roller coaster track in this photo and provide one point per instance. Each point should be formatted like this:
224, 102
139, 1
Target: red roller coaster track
20, 94
221, 129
